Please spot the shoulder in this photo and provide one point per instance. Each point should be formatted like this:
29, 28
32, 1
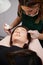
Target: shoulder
3, 49
1, 46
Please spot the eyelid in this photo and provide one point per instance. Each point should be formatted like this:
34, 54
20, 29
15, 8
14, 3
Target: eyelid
17, 32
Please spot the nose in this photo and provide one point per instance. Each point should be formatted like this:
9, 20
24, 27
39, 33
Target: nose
17, 33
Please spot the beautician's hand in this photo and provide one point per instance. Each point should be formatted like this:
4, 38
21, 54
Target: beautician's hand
34, 33
7, 28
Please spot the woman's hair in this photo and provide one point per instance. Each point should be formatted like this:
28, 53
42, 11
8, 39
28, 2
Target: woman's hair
30, 56
34, 59
28, 37
31, 3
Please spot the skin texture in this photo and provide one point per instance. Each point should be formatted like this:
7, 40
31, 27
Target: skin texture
20, 35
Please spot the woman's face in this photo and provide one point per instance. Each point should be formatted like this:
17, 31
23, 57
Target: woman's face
20, 34
31, 10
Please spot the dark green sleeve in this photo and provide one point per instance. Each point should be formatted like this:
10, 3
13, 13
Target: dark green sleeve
42, 26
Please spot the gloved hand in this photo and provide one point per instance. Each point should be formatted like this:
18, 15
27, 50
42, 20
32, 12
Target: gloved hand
7, 28
34, 33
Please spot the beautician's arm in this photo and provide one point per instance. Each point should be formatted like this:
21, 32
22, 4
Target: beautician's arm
15, 22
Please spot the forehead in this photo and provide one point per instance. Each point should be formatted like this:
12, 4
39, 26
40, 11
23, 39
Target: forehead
20, 29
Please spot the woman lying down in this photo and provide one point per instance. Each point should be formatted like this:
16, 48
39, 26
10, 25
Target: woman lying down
20, 40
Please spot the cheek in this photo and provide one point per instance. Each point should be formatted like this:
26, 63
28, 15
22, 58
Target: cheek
23, 36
